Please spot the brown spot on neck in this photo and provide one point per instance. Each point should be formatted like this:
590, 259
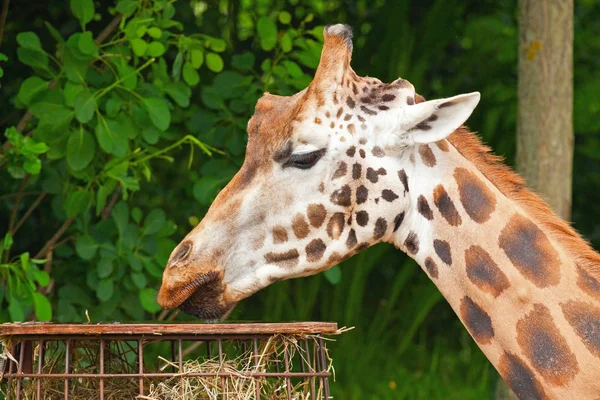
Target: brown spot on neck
431, 268
412, 243
380, 228
484, 272
477, 321
477, 199
545, 348
520, 378
530, 251
423, 207
427, 155
442, 249
446, 206
585, 320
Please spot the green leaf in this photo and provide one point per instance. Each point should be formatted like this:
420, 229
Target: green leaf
105, 289
214, 62
190, 75
127, 7
15, 310
87, 45
103, 192
285, 17
34, 58
113, 106
293, 69
128, 76
112, 137
159, 112
139, 280
243, 62
105, 267
206, 189
80, 149
179, 92
134, 262
139, 47
197, 58
71, 91
77, 202
43, 309
85, 106
8, 241
267, 32
154, 221
286, 43
333, 274
155, 32
151, 134
218, 45
29, 40
148, 300
83, 10
120, 214
75, 69
30, 88
55, 33
86, 247
42, 277
156, 49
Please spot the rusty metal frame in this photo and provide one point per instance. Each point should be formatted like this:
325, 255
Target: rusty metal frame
313, 367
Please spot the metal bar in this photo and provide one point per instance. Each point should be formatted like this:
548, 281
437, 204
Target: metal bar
172, 355
40, 368
101, 369
224, 388
257, 384
310, 369
141, 365
20, 368
323, 365
11, 364
288, 382
180, 345
148, 338
67, 351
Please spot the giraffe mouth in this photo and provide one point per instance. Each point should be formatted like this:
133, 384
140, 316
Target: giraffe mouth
204, 297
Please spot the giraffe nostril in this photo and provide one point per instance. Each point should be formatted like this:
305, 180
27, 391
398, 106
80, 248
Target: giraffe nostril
183, 250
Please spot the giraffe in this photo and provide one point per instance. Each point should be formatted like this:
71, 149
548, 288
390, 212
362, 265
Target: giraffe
350, 162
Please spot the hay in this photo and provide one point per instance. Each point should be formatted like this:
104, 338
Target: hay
229, 378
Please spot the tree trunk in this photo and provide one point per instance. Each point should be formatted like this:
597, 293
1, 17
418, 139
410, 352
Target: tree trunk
544, 123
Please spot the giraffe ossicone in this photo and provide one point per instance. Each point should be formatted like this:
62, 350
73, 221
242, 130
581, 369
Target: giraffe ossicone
350, 162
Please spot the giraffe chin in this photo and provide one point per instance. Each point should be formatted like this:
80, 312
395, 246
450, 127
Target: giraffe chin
206, 302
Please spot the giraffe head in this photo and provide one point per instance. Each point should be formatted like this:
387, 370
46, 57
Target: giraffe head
322, 180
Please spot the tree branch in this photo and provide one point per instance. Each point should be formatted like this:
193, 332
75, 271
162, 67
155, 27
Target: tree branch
50, 243
28, 212
3, 19
13, 214
106, 212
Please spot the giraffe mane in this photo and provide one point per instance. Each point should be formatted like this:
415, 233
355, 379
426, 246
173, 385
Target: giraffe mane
513, 186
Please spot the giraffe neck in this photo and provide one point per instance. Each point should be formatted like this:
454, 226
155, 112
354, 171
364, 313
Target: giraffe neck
519, 292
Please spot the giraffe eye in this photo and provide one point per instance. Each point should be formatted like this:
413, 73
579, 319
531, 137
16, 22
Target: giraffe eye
304, 160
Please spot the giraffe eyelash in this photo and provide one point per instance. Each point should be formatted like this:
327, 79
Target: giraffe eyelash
304, 160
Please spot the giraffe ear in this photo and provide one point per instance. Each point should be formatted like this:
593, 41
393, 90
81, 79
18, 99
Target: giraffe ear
434, 120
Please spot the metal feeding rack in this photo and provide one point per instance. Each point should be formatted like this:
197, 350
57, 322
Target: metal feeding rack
165, 361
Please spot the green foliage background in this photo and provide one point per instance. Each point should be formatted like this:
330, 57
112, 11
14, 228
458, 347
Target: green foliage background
113, 150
